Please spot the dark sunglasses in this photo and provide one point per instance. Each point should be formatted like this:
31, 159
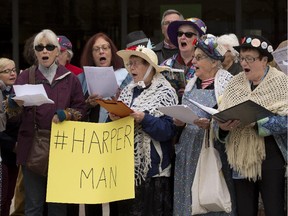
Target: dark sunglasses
49, 47
187, 34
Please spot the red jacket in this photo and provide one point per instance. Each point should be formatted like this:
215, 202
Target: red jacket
74, 69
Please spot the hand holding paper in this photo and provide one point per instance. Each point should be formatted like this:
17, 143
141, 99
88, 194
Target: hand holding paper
246, 112
31, 95
117, 108
101, 81
181, 112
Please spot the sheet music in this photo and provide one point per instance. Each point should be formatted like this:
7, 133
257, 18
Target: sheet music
32, 95
101, 81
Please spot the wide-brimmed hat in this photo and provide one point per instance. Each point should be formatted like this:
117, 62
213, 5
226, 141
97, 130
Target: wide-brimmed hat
144, 53
173, 27
257, 42
136, 38
208, 44
64, 42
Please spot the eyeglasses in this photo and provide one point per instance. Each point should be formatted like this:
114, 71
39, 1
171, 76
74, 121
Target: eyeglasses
48, 47
248, 59
200, 57
104, 47
133, 63
8, 71
187, 34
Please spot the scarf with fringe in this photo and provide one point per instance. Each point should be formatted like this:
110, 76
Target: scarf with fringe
245, 149
159, 93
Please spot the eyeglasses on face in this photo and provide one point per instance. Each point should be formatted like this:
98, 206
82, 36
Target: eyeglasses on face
187, 34
133, 63
248, 59
8, 71
48, 47
200, 57
104, 47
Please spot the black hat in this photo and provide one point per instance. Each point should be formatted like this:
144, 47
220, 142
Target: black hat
257, 42
136, 38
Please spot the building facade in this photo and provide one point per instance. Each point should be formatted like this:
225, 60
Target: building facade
80, 19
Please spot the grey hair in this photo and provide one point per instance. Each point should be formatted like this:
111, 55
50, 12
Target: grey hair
49, 35
219, 63
229, 41
70, 52
171, 11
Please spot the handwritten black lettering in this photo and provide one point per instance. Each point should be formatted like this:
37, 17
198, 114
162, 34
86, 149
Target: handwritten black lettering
60, 140
107, 178
80, 140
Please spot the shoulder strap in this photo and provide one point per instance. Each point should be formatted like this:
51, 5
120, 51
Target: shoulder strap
32, 81
32, 74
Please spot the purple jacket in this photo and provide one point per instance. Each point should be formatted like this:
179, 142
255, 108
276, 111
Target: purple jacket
65, 91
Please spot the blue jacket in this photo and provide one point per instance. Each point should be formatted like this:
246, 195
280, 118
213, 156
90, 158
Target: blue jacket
276, 126
163, 130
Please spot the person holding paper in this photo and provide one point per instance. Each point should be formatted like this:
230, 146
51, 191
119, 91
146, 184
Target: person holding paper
100, 51
206, 88
182, 33
153, 133
8, 137
258, 152
64, 88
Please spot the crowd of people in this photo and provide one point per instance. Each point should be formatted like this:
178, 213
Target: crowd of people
190, 65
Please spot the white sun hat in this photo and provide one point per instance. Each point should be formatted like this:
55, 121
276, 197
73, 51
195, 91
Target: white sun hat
144, 53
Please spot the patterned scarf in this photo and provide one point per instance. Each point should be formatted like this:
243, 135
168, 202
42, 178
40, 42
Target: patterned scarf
159, 94
245, 149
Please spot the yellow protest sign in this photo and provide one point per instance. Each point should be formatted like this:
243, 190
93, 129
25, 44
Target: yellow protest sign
91, 162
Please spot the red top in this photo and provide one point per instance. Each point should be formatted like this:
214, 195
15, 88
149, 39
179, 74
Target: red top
74, 69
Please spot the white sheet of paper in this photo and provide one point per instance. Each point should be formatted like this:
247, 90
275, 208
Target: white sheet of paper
280, 57
32, 95
180, 112
101, 81
209, 110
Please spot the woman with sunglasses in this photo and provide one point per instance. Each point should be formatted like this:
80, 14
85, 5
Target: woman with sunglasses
206, 88
258, 152
64, 88
8, 137
182, 34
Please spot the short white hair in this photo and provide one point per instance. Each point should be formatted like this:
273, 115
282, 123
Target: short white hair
229, 41
49, 35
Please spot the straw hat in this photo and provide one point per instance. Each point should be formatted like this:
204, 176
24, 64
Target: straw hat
144, 53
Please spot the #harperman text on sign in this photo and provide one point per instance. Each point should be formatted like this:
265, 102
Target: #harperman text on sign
91, 162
